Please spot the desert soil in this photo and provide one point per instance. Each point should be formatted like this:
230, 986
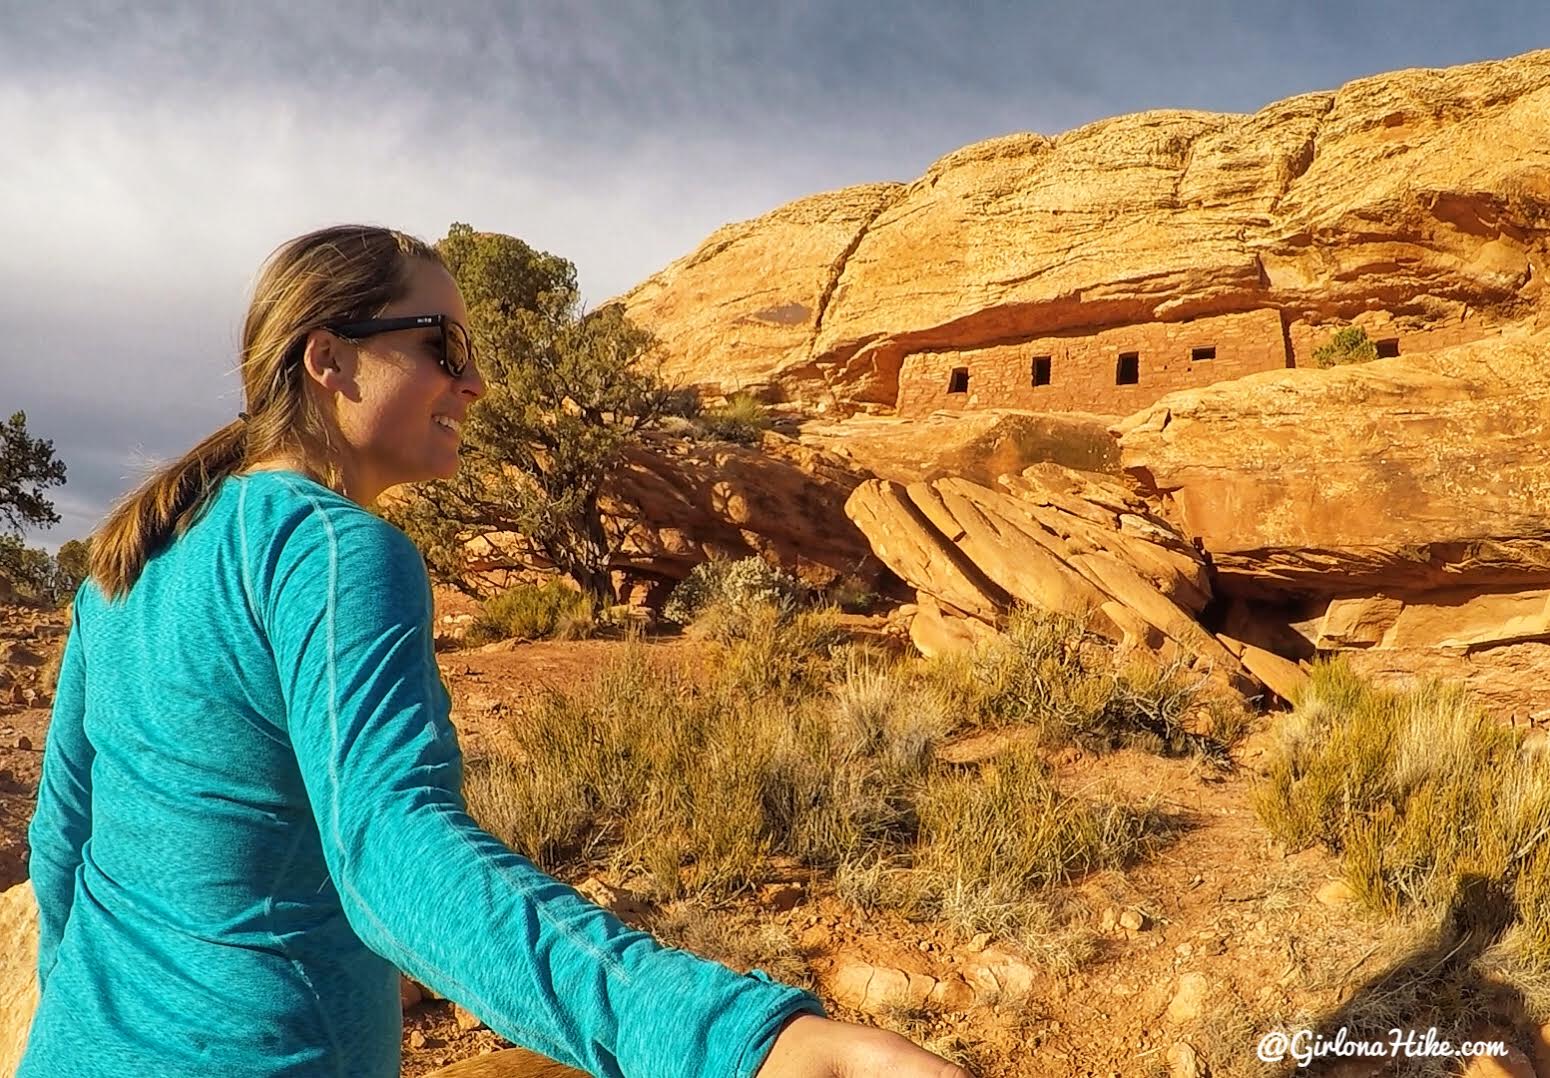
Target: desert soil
1219, 899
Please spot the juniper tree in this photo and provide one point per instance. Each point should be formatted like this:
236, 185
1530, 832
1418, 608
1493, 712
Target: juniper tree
27, 465
568, 391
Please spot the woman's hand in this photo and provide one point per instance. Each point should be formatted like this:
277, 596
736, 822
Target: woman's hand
812, 1047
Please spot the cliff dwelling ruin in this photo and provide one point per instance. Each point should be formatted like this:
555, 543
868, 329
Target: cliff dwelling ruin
1117, 370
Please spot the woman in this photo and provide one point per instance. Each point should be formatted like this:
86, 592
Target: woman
250, 814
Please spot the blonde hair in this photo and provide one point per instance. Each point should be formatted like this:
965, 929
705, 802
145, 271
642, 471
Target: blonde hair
337, 274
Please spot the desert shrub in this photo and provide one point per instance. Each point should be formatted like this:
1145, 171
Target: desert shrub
732, 583
553, 609
992, 841
768, 650
1048, 671
788, 739
1419, 791
543, 820
697, 775
1348, 345
742, 419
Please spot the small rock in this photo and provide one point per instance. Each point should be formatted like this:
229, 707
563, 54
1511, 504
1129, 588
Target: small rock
953, 994
24, 742
1189, 1000
417, 1040
1184, 1061
1336, 893
1134, 921
466, 1020
980, 941
1183, 950
616, 900
1108, 919
1512, 1065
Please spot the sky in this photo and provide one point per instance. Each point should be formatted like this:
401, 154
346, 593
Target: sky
154, 154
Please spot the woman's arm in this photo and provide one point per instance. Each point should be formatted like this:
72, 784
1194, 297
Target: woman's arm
61, 822
348, 612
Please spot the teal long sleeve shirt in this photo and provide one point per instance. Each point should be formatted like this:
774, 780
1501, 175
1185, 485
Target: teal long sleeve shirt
250, 818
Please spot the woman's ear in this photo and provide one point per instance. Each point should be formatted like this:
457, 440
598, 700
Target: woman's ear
328, 360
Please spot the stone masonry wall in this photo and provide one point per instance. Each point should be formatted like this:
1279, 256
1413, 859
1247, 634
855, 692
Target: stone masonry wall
1306, 337
1083, 368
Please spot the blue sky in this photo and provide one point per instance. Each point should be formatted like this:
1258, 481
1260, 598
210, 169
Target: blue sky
155, 153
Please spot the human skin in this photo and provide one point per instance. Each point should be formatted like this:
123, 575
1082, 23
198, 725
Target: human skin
383, 393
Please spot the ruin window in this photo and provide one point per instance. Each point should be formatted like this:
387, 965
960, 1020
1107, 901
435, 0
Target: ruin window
1127, 372
1198, 354
1041, 365
1387, 349
958, 381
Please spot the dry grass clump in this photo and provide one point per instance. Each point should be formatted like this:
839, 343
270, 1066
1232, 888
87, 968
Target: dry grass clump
1440, 816
1050, 672
552, 610
993, 839
697, 775
742, 419
737, 939
1417, 791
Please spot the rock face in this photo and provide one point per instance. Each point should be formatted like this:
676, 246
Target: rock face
741, 311
981, 446
1416, 203
1396, 511
1420, 472
18, 972
680, 501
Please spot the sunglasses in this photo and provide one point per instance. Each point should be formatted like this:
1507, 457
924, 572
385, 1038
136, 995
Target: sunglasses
456, 350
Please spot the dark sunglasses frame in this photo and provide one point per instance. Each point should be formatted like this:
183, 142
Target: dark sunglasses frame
355, 331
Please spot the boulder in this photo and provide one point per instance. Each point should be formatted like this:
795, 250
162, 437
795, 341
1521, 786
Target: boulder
1414, 474
18, 971
678, 501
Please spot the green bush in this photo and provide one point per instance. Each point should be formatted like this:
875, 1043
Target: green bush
550, 610
1348, 345
738, 584
742, 419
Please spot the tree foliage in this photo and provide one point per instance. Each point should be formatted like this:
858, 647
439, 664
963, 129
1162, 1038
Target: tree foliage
568, 390
39, 576
27, 465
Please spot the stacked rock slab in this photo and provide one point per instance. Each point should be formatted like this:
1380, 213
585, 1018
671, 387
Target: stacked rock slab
1396, 512
1050, 538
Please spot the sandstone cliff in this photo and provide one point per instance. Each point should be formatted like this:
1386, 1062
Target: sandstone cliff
1423, 194
1397, 511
